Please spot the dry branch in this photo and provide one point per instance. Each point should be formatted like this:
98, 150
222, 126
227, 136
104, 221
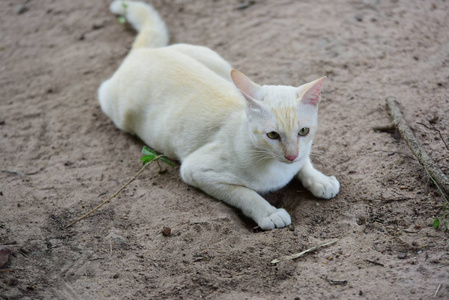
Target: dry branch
293, 256
437, 176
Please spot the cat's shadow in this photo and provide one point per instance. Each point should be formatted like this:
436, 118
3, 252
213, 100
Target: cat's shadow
290, 198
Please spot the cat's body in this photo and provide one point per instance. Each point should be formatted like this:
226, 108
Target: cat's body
186, 102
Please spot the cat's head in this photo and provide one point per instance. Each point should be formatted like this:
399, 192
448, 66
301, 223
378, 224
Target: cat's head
282, 119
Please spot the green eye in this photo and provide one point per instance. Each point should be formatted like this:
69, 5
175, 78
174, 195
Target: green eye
273, 135
304, 131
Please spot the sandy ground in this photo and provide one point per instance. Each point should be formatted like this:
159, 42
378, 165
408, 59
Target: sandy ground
60, 156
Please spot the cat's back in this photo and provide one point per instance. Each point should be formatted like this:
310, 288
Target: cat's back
173, 102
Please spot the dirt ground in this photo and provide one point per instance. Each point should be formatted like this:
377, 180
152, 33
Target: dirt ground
60, 156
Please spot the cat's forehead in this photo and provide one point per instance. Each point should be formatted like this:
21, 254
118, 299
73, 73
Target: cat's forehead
279, 95
285, 108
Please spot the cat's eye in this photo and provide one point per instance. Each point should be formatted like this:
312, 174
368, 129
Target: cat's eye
273, 135
304, 131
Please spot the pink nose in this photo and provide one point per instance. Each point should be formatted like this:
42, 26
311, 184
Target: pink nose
291, 157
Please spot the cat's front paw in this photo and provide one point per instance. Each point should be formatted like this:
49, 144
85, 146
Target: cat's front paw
323, 186
278, 219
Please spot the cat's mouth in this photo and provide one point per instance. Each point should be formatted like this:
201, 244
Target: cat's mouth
290, 158
287, 161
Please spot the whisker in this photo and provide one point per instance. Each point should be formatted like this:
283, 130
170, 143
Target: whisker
261, 155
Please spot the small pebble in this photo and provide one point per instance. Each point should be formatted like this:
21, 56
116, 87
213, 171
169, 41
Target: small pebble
402, 255
21, 9
97, 26
244, 4
116, 276
166, 231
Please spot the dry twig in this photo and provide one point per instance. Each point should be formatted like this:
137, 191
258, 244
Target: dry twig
293, 256
437, 176
114, 195
57, 220
438, 289
375, 262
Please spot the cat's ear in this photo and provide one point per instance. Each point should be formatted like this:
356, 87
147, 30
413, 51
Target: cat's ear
310, 93
249, 89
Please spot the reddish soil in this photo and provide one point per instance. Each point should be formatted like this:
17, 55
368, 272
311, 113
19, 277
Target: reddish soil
60, 156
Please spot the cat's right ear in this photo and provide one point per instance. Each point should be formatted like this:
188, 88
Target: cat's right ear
249, 89
310, 93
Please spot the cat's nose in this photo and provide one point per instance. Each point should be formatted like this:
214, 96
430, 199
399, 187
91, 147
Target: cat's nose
291, 157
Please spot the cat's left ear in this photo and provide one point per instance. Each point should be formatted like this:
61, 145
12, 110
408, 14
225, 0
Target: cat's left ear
249, 89
310, 93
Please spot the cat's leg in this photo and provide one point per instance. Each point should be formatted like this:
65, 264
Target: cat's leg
199, 174
207, 57
320, 185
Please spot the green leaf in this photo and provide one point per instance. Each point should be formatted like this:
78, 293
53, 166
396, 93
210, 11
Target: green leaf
121, 20
148, 151
167, 161
147, 158
150, 155
436, 223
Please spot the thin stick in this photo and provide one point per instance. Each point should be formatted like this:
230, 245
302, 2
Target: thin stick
293, 256
375, 262
437, 176
12, 172
56, 219
385, 128
114, 195
438, 289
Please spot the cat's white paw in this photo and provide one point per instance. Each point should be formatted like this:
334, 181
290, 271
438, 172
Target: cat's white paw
323, 186
278, 219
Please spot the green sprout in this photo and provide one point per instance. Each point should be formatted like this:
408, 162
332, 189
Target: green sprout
151, 155
122, 19
437, 222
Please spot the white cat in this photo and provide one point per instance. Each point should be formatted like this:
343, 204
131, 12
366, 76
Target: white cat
234, 138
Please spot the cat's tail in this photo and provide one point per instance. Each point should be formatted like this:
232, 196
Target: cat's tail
145, 19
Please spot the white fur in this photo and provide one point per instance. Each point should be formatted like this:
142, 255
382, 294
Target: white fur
181, 101
145, 19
